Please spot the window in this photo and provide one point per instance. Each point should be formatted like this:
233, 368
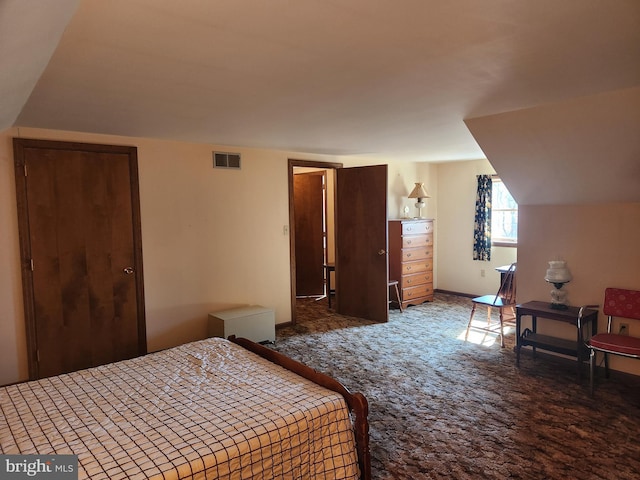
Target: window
504, 216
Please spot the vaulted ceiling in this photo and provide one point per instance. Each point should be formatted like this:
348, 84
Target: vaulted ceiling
546, 87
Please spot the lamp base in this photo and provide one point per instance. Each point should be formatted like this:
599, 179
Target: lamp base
558, 297
559, 306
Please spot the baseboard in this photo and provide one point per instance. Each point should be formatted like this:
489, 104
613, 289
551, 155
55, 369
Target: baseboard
459, 294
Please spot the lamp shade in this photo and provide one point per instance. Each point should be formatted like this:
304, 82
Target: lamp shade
419, 191
558, 272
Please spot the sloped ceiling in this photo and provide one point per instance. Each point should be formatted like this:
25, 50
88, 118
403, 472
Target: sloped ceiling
382, 78
28, 36
583, 150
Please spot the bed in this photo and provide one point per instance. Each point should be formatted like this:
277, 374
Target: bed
214, 408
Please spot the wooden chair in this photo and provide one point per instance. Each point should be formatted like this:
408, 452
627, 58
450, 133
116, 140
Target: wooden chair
618, 303
505, 299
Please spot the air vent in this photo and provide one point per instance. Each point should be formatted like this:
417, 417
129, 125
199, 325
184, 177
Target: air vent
226, 160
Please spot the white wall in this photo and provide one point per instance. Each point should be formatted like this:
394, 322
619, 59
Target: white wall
456, 269
207, 244
13, 340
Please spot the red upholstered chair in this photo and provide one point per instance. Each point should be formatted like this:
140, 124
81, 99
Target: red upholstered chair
618, 303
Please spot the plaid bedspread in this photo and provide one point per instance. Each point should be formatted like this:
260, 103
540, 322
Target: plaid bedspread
207, 409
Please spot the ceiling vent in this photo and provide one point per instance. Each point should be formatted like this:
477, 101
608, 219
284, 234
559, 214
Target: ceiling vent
226, 160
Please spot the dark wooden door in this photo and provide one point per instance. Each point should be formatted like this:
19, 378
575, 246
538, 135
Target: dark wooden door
79, 219
308, 194
362, 270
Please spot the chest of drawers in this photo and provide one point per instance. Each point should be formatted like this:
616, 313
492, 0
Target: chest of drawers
411, 259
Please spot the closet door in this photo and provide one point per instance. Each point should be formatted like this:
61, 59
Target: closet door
308, 195
79, 222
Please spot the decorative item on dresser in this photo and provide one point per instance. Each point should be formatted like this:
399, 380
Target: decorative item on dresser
411, 259
420, 194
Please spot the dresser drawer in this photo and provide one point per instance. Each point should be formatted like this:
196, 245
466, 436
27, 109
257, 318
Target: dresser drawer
410, 254
418, 291
416, 267
416, 228
415, 241
416, 279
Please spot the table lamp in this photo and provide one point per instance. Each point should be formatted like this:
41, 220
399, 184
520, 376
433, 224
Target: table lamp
558, 274
420, 193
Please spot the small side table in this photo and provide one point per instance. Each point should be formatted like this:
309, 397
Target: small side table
530, 337
503, 271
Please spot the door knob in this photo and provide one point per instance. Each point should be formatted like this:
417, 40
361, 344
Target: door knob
381, 251
128, 270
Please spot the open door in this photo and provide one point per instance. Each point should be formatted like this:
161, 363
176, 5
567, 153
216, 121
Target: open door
308, 197
362, 272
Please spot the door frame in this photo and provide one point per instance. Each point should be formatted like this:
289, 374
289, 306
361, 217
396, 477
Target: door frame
292, 241
19, 145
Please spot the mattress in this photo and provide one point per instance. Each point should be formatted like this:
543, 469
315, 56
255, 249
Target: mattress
208, 409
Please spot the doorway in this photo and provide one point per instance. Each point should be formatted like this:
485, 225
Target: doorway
361, 263
299, 265
81, 254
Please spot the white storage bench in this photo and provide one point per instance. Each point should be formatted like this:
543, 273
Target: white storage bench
254, 322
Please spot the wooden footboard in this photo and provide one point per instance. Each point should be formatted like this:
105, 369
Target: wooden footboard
356, 402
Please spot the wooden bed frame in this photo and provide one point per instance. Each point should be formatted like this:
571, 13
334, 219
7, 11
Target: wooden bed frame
356, 402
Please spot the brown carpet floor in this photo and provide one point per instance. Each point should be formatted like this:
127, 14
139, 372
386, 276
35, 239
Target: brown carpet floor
441, 407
